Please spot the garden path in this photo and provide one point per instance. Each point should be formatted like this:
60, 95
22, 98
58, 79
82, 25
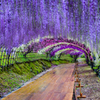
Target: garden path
56, 84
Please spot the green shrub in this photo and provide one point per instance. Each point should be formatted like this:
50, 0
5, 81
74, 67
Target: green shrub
62, 61
38, 63
47, 63
55, 62
96, 67
82, 56
16, 69
0, 70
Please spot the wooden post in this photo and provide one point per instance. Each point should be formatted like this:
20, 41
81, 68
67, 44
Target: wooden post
76, 63
76, 74
81, 95
76, 69
77, 79
79, 85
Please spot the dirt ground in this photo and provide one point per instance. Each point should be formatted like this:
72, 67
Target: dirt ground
90, 82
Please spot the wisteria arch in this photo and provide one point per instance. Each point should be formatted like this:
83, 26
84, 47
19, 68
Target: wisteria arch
47, 44
66, 50
72, 50
74, 53
64, 44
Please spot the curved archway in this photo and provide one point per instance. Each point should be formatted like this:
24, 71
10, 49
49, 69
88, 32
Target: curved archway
51, 43
68, 47
74, 53
48, 43
66, 51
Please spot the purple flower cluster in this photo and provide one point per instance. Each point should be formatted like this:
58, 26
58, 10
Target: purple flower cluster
70, 47
24, 20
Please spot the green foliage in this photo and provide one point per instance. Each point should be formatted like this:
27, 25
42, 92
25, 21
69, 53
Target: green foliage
55, 62
96, 67
82, 56
34, 56
97, 60
29, 57
16, 69
62, 61
0, 70
37, 63
81, 59
47, 63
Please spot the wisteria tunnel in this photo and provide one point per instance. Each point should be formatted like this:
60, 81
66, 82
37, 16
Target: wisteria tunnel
49, 46
36, 35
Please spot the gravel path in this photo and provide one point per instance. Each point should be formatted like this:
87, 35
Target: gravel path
91, 84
